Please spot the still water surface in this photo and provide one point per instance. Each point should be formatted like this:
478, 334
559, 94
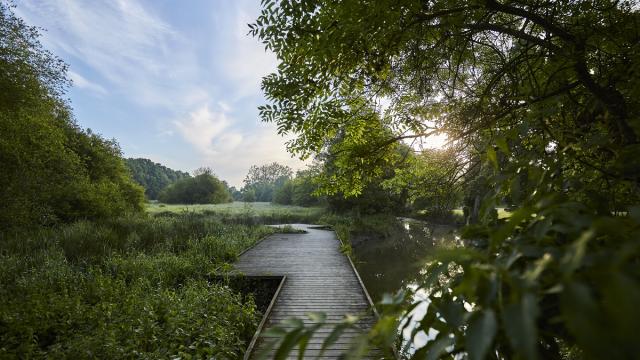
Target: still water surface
391, 263
388, 264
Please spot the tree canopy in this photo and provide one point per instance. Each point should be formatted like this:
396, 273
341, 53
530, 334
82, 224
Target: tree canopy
153, 177
541, 102
203, 188
262, 180
52, 170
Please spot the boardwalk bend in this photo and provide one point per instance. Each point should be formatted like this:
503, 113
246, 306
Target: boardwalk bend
319, 278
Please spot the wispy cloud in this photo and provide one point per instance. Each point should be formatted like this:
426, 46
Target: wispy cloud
246, 60
127, 45
196, 83
226, 148
81, 82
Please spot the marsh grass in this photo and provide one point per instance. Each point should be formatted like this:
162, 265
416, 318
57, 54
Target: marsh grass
244, 212
132, 287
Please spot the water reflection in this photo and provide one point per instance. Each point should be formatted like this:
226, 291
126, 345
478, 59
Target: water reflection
390, 263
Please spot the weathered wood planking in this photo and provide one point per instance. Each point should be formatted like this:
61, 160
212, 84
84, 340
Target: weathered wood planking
319, 278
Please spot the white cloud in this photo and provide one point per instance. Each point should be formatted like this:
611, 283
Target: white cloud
260, 147
125, 43
230, 152
202, 127
246, 61
82, 83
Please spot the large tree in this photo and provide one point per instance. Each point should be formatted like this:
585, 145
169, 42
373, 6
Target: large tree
264, 179
540, 99
51, 169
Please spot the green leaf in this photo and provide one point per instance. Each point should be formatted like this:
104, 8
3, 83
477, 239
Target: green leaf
507, 229
334, 335
581, 313
492, 157
479, 336
573, 258
359, 348
438, 347
501, 143
288, 343
520, 324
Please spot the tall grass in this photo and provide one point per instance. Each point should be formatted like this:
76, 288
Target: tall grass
126, 288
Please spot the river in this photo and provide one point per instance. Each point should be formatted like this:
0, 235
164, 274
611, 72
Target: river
390, 263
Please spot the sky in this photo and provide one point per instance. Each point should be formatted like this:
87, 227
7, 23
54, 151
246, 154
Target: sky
177, 82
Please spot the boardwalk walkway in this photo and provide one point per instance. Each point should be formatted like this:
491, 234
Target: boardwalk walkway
319, 278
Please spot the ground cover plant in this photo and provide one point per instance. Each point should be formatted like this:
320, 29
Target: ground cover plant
132, 287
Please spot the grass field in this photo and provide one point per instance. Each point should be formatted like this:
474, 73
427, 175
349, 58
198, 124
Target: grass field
258, 212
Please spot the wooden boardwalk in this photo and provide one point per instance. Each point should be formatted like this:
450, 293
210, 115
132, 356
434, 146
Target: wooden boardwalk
319, 278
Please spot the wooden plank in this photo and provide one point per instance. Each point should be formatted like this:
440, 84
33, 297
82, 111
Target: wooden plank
319, 279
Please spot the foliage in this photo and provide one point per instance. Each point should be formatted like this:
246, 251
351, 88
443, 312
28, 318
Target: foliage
129, 287
203, 188
153, 177
431, 179
51, 169
540, 100
249, 195
301, 190
264, 179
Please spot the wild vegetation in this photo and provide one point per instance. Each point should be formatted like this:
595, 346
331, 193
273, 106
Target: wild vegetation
52, 170
203, 188
540, 103
84, 273
126, 287
153, 177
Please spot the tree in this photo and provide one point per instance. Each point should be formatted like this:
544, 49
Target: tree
264, 179
52, 170
249, 195
153, 177
305, 190
541, 100
432, 179
283, 195
203, 188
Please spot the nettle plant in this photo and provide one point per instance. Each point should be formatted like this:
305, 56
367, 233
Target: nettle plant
540, 101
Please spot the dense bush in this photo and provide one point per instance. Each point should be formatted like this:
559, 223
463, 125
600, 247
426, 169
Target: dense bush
201, 189
51, 169
126, 288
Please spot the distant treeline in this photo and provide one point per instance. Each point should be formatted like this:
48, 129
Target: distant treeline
152, 176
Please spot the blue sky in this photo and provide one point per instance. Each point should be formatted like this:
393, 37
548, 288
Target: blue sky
177, 82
